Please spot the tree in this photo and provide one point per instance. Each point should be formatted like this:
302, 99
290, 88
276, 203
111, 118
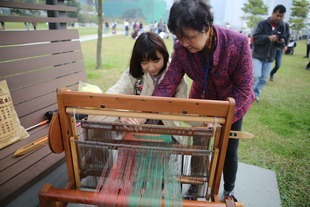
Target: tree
300, 11
256, 10
98, 5
23, 12
133, 13
88, 14
76, 14
99, 41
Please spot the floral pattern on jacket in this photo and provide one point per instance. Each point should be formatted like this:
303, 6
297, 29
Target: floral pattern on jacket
230, 74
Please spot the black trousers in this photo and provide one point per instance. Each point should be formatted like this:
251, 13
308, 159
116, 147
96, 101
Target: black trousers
231, 161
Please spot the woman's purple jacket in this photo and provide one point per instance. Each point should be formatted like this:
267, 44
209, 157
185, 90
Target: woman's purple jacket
231, 73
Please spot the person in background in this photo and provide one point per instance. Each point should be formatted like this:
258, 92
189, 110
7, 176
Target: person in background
147, 68
151, 26
308, 66
126, 24
160, 26
114, 25
250, 40
2, 25
308, 46
34, 24
219, 62
141, 29
267, 36
279, 51
26, 25
106, 27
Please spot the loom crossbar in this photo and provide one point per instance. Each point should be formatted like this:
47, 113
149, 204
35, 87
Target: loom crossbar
48, 193
173, 150
147, 128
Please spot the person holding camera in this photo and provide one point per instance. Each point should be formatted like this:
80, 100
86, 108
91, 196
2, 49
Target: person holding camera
267, 36
282, 48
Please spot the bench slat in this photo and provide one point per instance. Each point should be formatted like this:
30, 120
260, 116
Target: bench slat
19, 184
10, 4
26, 79
33, 64
7, 158
27, 160
36, 19
9, 150
26, 94
25, 51
24, 37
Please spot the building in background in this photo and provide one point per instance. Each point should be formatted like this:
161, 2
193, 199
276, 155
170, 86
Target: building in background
149, 10
225, 11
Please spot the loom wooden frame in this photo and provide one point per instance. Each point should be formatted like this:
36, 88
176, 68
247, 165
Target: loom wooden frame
170, 108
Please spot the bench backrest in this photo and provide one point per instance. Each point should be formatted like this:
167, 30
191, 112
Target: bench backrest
34, 63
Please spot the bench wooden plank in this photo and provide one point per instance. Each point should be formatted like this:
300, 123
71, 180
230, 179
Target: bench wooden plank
24, 37
9, 150
31, 92
33, 64
10, 4
36, 19
8, 160
33, 173
28, 160
26, 79
31, 50
44, 102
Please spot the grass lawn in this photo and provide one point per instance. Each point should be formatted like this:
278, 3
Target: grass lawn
280, 122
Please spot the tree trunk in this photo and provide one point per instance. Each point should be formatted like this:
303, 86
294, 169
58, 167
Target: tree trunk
99, 40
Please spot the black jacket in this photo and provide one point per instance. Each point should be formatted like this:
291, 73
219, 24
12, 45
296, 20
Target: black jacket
263, 48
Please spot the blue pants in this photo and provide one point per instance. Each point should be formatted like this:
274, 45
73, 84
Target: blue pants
261, 70
278, 62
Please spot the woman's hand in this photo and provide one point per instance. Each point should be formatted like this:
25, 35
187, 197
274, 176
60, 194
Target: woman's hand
134, 121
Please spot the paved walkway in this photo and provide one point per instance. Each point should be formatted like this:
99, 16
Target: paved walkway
95, 36
256, 187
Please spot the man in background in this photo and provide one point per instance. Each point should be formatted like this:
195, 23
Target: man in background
268, 35
308, 46
280, 50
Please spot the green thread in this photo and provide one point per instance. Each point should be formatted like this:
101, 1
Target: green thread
163, 137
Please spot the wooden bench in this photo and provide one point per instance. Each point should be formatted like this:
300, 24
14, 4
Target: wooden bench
34, 63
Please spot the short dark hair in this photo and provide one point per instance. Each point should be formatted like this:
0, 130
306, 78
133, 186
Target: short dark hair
145, 48
194, 14
279, 8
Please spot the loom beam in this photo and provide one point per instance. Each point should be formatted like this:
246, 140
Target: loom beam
49, 195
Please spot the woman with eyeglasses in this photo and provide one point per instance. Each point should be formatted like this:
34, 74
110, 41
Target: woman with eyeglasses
219, 62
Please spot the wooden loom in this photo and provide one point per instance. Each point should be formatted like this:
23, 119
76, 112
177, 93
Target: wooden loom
64, 136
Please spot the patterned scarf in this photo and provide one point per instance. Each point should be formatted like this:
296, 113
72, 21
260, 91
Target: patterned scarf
210, 43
